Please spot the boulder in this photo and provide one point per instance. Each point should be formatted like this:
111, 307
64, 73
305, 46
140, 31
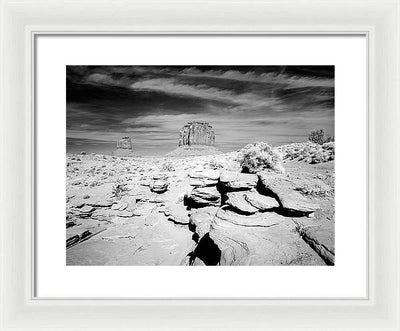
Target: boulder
200, 220
119, 206
237, 200
260, 201
159, 186
160, 176
130, 202
205, 196
231, 180
203, 177
177, 214
260, 239
284, 189
86, 211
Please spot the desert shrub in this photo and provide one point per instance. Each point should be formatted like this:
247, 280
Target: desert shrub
119, 189
260, 156
330, 139
214, 164
317, 136
318, 157
94, 183
308, 152
167, 166
329, 146
314, 188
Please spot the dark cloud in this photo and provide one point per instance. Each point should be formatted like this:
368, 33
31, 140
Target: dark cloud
277, 104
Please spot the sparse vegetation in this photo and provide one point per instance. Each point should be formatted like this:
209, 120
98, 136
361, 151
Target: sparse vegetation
315, 188
309, 152
167, 166
214, 164
319, 137
94, 183
260, 156
119, 189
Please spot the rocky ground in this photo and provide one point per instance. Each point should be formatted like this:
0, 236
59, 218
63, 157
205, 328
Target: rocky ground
200, 210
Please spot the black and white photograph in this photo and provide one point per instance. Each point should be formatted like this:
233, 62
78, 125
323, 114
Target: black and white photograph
200, 165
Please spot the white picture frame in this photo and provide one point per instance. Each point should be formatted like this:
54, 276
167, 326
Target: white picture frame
21, 22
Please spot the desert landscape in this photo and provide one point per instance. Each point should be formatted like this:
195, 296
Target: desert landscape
238, 208
195, 205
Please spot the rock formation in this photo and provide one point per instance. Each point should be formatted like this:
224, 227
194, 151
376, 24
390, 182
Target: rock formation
259, 239
205, 191
197, 211
124, 147
232, 180
196, 133
286, 191
195, 139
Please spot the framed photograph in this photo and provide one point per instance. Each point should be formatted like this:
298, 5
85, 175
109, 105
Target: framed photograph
232, 161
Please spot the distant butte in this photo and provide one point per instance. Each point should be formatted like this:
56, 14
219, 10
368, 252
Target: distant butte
196, 133
124, 147
196, 138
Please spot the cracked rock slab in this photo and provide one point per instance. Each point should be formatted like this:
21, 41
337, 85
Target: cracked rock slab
261, 239
159, 186
284, 189
177, 214
203, 177
237, 200
261, 202
98, 196
321, 237
205, 196
231, 180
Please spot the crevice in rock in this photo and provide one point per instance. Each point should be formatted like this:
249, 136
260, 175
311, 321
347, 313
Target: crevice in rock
264, 191
190, 204
328, 257
195, 238
221, 191
236, 210
290, 213
192, 227
207, 251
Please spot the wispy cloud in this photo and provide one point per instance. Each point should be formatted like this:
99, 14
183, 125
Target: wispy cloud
270, 77
171, 86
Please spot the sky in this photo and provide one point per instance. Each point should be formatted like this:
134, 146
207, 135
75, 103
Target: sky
244, 104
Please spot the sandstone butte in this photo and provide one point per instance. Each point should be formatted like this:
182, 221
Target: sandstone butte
196, 133
124, 147
196, 138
